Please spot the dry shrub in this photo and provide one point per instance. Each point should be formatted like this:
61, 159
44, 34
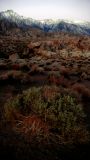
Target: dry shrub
54, 68
81, 89
52, 79
65, 71
34, 68
58, 80
84, 76
15, 67
11, 118
40, 70
64, 82
46, 105
4, 76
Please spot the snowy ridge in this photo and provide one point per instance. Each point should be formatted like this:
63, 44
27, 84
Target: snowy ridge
47, 25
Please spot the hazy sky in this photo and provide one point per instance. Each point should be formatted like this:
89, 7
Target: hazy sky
43, 9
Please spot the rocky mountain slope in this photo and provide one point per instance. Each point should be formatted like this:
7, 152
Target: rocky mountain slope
49, 25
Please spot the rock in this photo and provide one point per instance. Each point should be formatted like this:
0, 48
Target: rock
34, 45
47, 54
14, 57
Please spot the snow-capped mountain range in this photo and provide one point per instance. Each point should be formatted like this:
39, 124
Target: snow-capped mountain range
47, 25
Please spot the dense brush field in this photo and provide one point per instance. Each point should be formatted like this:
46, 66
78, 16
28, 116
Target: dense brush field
44, 96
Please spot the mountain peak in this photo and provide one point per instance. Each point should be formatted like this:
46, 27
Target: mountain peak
9, 11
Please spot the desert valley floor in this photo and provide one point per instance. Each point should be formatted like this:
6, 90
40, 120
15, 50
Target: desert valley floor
44, 96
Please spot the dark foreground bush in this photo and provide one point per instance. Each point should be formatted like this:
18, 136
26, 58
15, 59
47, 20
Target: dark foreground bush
58, 117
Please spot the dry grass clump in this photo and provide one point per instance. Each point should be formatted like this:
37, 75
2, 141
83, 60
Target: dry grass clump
33, 127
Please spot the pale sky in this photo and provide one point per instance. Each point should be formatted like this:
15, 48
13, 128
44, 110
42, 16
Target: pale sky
46, 9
